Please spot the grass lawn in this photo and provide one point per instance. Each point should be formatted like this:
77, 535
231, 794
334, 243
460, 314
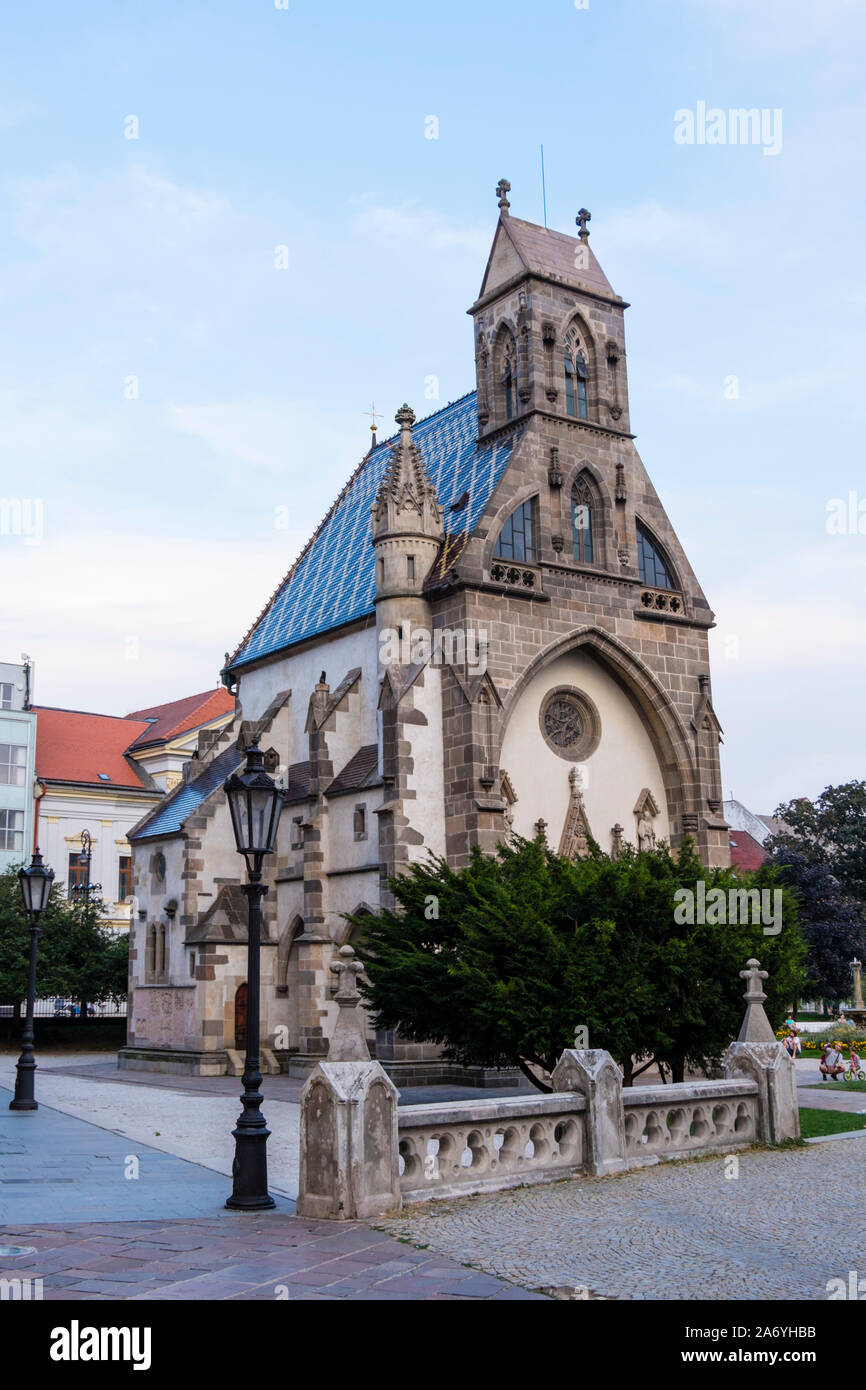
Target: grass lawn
816, 1122
836, 1086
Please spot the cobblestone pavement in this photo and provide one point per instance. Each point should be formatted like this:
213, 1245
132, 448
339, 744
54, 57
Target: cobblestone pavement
791, 1220
241, 1257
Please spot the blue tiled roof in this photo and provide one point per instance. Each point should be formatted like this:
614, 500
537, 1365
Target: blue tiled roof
334, 580
170, 814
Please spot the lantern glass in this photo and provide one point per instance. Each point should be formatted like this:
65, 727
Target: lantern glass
255, 803
35, 883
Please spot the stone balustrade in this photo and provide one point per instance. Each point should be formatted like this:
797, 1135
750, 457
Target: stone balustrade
451, 1150
689, 1117
363, 1154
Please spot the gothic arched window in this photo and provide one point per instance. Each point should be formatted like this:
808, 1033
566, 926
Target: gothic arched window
518, 537
508, 379
581, 523
653, 569
576, 375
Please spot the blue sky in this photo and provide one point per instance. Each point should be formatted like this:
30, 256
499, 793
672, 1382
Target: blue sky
154, 258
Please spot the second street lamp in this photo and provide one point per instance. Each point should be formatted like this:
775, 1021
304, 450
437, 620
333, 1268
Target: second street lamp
35, 884
255, 802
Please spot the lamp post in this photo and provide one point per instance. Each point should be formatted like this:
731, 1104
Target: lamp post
35, 884
255, 803
84, 859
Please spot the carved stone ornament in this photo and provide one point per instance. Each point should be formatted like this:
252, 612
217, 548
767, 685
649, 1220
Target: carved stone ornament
645, 811
570, 723
576, 833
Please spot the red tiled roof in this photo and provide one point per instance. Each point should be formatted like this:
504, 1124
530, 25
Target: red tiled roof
72, 746
746, 853
179, 716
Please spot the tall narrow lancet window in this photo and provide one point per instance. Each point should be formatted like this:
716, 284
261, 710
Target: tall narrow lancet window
652, 567
576, 375
581, 523
517, 539
509, 377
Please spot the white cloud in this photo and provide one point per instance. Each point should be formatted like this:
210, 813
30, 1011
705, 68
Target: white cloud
418, 228
12, 113
678, 235
289, 438
755, 394
783, 25
30, 429
84, 215
140, 618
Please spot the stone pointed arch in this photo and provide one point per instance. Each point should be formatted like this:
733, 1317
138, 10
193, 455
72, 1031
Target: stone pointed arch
674, 749
585, 486
346, 933
506, 401
288, 936
663, 551
578, 324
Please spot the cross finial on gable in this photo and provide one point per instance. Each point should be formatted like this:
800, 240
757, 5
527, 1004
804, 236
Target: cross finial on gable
503, 188
753, 977
581, 219
348, 1042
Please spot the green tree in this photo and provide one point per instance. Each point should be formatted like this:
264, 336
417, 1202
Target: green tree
501, 961
78, 956
830, 830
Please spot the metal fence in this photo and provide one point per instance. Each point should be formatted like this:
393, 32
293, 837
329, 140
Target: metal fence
61, 1007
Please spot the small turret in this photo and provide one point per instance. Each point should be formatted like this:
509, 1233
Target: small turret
407, 532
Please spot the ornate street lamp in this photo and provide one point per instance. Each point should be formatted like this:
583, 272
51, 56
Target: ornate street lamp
84, 860
35, 884
255, 802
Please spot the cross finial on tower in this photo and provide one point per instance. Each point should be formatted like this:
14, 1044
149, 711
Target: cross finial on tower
372, 412
581, 219
503, 188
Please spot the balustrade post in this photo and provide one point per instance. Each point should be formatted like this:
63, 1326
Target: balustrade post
348, 1133
757, 1055
595, 1075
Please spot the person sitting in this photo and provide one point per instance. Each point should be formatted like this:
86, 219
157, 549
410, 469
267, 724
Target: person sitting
831, 1063
854, 1060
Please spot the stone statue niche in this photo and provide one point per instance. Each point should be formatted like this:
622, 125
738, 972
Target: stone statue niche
645, 812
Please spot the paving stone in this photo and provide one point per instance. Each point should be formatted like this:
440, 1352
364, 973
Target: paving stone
673, 1231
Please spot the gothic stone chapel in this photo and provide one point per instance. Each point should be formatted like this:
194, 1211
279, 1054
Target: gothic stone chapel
494, 631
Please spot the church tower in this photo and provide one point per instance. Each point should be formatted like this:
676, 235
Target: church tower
549, 330
595, 622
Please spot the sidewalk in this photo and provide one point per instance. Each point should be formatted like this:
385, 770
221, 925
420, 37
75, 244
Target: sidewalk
165, 1234
825, 1096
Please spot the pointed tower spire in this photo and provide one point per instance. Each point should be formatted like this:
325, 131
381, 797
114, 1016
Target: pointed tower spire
406, 488
407, 531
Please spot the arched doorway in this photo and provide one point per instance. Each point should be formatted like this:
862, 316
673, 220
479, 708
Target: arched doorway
241, 1017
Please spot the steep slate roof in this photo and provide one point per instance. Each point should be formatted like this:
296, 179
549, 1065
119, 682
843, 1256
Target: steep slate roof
169, 816
334, 579
73, 746
179, 716
553, 253
360, 771
298, 782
